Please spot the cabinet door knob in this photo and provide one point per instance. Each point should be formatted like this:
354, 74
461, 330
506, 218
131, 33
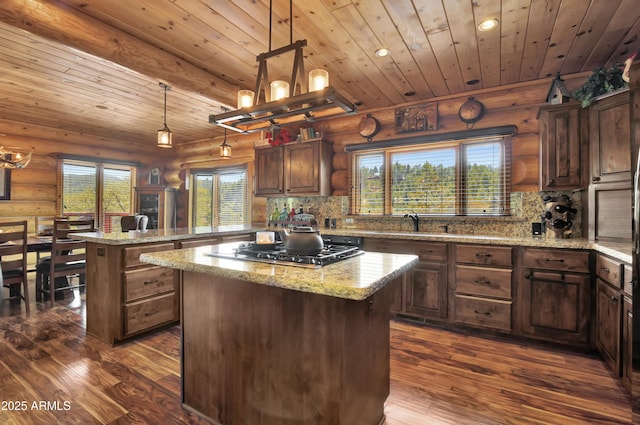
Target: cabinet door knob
551, 182
595, 179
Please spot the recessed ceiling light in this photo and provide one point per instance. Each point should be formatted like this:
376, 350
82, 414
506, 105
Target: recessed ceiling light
382, 52
488, 24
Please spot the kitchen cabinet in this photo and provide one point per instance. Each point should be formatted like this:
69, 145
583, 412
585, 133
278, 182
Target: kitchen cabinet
563, 147
482, 286
128, 297
294, 169
554, 295
423, 292
609, 135
627, 326
157, 203
609, 305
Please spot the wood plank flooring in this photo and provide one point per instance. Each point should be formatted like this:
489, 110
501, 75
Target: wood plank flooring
437, 377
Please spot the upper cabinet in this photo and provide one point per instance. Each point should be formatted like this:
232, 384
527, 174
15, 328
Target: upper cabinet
609, 134
294, 169
563, 150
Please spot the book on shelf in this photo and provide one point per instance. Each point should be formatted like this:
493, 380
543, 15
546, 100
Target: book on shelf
307, 133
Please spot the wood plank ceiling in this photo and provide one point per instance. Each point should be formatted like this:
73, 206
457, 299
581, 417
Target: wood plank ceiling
93, 66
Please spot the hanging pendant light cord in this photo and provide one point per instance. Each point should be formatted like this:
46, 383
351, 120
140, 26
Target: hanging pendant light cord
290, 21
165, 106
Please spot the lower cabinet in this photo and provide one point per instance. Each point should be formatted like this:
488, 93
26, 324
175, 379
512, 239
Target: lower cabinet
482, 286
554, 295
422, 293
608, 324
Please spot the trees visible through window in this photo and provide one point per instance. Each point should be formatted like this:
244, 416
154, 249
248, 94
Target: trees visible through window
103, 191
464, 178
220, 197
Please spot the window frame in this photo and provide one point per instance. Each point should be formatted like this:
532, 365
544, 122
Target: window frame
217, 171
98, 213
460, 175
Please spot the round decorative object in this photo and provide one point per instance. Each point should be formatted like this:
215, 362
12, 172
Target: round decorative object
154, 176
369, 127
155, 171
471, 111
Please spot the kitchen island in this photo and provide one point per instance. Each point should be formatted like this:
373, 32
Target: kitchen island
274, 344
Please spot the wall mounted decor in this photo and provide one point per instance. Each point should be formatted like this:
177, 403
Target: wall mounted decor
417, 118
369, 127
471, 112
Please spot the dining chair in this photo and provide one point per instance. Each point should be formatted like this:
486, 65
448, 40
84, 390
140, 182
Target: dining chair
13, 260
68, 256
134, 222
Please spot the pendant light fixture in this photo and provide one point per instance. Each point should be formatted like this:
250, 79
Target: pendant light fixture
316, 98
225, 148
164, 134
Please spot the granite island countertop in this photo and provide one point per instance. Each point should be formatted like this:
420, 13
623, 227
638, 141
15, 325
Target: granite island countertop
356, 278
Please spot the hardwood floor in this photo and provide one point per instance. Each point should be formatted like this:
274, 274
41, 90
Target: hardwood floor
437, 377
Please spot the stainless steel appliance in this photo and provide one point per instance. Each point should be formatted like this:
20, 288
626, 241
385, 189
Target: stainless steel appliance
336, 248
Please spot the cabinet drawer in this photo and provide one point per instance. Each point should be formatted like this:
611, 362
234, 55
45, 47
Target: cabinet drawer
483, 281
494, 314
198, 242
425, 250
144, 282
132, 254
143, 315
557, 259
482, 254
609, 270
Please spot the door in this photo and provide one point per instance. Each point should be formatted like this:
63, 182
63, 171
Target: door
269, 171
608, 321
302, 168
427, 290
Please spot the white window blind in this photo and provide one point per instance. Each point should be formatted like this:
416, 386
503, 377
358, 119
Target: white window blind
424, 181
470, 177
370, 184
220, 197
79, 189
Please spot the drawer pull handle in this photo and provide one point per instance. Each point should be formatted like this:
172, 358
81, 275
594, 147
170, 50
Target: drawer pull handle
605, 269
153, 313
427, 251
486, 313
151, 282
483, 254
551, 260
483, 281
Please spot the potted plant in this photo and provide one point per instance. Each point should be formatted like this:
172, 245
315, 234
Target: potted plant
602, 81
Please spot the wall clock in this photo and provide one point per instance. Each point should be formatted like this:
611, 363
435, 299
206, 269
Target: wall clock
154, 176
471, 112
369, 127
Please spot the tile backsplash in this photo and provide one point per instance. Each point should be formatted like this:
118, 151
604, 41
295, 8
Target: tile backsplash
526, 208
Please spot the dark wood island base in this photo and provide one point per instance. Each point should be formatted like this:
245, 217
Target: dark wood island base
263, 355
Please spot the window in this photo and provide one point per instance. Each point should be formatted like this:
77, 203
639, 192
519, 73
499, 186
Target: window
455, 178
103, 191
220, 197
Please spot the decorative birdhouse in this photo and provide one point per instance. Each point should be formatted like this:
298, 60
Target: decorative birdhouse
558, 92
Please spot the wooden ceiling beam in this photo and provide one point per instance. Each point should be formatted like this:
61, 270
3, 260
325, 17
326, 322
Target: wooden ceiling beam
63, 25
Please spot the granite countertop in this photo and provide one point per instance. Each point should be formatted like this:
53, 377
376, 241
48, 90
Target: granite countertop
356, 278
619, 250
164, 235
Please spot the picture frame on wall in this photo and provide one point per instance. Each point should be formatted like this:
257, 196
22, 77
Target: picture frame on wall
5, 183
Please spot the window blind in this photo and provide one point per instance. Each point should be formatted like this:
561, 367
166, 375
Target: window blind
220, 197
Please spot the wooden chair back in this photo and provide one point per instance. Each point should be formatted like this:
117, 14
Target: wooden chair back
68, 254
13, 256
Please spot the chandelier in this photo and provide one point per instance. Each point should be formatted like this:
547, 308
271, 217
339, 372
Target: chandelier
282, 106
14, 157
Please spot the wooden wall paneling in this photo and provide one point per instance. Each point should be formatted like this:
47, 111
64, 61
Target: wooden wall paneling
361, 32
415, 30
542, 17
410, 71
463, 32
569, 18
489, 43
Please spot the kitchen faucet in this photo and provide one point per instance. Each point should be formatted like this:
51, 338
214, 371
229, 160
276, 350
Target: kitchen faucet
416, 220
